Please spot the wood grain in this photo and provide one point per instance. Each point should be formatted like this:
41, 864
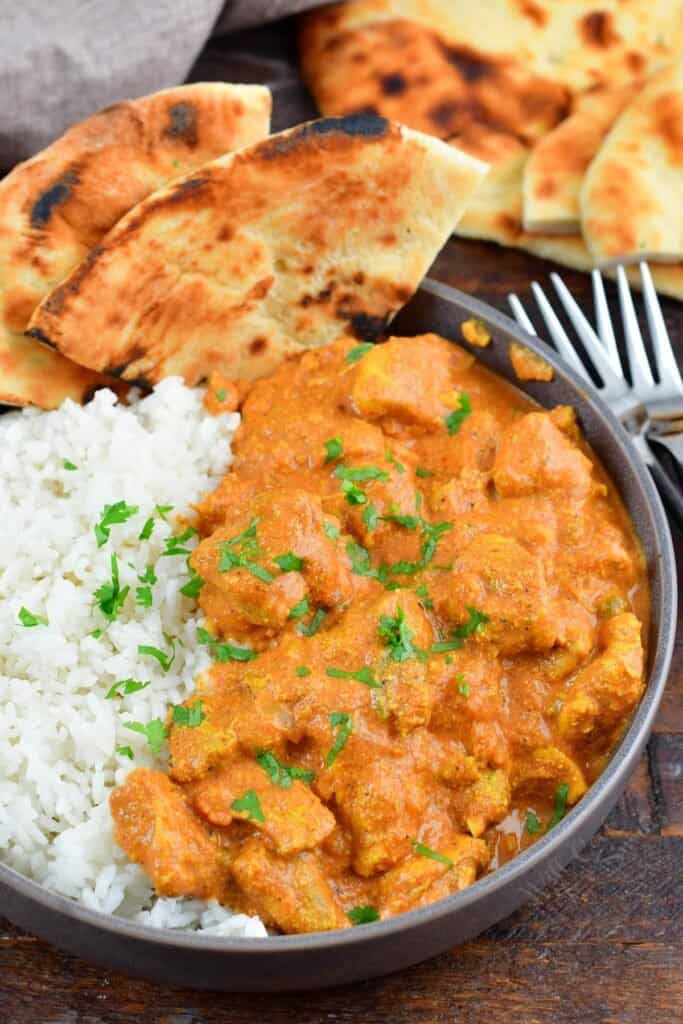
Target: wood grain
602, 945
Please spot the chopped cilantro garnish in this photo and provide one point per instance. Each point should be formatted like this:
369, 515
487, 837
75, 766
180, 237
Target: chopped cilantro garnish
443, 646
112, 515
354, 495
463, 688
96, 633
125, 686
69, 465
424, 473
334, 448
143, 596
147, 530
560, 808
426, 851
342, 721
148, 576
154, 732
303, 670
364, 675
532, 825
455, 419
331, 530
360, 474
362, 915
409, 522
430, 536
281, 774
360, 559
289, 562
240, 551
224, 651
163, 510
174, 545
221, 394
249, 805
423, 594
188, 717
400, 468
164, 659
27, 618
398, 636
314, 625
299, 609
126, 752
370, 517
111, 596
193, 585
474, 624
354, 354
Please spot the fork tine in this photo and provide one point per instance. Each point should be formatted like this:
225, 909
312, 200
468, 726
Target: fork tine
611, 379
641, 374
667, 367
557, 332
520, 314
604, 321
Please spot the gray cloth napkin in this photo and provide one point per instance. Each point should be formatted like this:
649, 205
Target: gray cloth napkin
62, 60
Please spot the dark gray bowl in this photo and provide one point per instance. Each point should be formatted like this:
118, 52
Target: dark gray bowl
329, 958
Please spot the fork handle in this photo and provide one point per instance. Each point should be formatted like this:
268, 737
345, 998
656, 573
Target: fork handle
669, 493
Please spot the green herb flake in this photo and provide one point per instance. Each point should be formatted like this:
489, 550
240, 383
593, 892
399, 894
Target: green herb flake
314, 625
560, 808
221, 394
143, 596
370, 517
111, 596
188, 717
398, 636
423, 594
423, 473
362, 915
112, 515
70, 466
299, 609
147, 530
360, 474
364, 675
354, 354
148, 576
165, 660
334, 448
174, 545
281, 774
331, 530
426, 851
476, 622
360, 559
249, 805
126, 752
224, 651
154, 732
163, 510
240, 552
455, 419
342, 721
408, 522
400, 468
28, 619
126, 686
532, 825
354, 495
289, 562
463, 688
444, 646
193, 586
303, 670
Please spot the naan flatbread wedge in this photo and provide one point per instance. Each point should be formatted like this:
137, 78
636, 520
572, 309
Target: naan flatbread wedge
557, 165
322, 230
632, 198
495, 214
55, 207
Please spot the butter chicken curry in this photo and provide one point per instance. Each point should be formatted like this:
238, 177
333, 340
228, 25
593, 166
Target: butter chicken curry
425, 606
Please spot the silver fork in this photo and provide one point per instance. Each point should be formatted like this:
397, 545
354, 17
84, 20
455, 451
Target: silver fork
649, 410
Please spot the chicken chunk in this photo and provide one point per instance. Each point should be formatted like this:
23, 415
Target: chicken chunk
293, 818
485, 802
267, 559
603, 692
410, 379
155, 826
539, 773
498, 577
535, 455
419, 880
289, 893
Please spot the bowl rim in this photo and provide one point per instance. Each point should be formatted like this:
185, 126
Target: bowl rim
575, 821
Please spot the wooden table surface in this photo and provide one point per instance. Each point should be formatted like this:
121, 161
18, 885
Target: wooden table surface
603, 945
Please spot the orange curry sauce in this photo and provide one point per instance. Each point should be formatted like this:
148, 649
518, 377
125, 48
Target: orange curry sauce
429, 609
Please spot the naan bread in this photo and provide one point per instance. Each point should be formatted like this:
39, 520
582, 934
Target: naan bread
495, 214
555, 170
322, 230
55, 207
632, 198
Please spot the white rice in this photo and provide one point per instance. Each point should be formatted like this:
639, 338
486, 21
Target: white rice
58, 732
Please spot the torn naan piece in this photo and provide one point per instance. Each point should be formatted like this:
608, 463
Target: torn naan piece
632, 197
323, 230
495, 214
56, 206
557, 165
